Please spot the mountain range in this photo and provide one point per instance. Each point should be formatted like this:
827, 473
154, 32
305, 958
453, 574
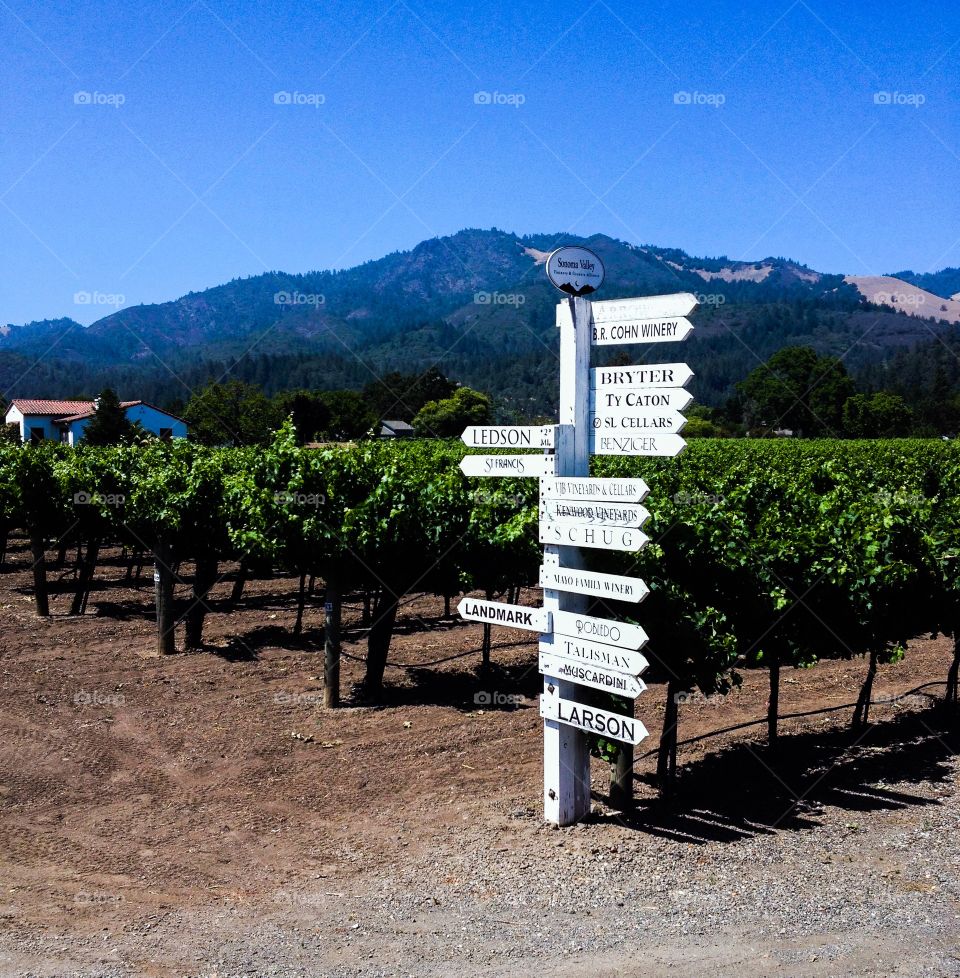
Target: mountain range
478, 305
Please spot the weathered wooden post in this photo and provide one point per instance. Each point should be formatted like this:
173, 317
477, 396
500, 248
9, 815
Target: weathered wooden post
605, 411
331, 649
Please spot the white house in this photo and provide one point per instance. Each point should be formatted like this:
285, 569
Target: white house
65, 421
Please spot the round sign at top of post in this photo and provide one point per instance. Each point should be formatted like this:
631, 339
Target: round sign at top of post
575, 271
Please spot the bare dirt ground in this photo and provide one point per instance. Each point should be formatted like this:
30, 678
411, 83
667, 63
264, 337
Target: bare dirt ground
201, 815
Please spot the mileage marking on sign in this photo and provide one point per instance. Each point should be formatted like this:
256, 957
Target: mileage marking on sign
509, 436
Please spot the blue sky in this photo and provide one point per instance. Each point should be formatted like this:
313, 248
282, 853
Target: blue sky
148, 149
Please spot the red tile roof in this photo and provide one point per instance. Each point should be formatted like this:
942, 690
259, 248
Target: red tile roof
89, 412
27, 406
124, 404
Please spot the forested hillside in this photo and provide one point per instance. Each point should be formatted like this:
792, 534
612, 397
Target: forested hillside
477, 306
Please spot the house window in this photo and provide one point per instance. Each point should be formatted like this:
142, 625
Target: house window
36, 436
166, 434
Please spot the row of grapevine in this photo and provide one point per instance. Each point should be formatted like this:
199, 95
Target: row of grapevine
763, 555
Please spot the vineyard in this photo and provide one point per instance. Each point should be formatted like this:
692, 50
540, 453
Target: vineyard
764, 555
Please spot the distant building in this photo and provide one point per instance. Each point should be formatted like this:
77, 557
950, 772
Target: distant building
396, 429
65, 421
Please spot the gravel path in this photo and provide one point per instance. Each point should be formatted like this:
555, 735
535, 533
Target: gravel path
856, 893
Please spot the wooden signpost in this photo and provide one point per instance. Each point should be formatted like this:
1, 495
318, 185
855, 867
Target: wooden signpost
589, 718
590, 512
507, 465
654, 375
594, 653
496, 613
508, 436
620, 683
632, 410
646, 400
603, 443
616, 420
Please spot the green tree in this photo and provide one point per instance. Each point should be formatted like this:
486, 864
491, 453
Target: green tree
448, 418
798, 389
401, 396
109, 424
310, 414
233, 413
879, 415
348, 415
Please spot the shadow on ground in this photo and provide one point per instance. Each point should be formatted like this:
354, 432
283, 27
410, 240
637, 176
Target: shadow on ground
749, 789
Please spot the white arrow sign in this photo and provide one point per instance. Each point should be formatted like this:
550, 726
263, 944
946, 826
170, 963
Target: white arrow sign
666, 330
647, 399
512, 615
642, 307
602, 443
577, 672
509, 436
641, 375
621, 634
591, 513
507, 465
631, 422
609, 657
605, 490
611, 586
597, 537
589, 718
